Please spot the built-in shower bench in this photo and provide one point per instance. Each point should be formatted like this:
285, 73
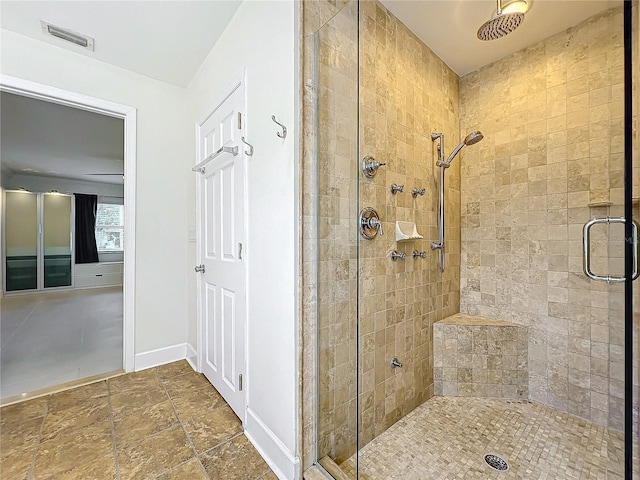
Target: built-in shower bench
480, 357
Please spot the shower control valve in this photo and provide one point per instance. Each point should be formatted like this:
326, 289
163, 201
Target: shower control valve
395, 255
370, 224
397, 188
370, 166
418, 191
417, 254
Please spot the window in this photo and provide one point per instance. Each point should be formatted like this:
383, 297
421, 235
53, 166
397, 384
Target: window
110, 228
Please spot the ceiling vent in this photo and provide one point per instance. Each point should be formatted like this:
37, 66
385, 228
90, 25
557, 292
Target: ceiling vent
76, 38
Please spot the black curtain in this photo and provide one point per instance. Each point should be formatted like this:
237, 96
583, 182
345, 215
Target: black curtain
86, 248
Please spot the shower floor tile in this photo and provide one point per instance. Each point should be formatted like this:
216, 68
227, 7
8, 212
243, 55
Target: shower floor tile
447, 438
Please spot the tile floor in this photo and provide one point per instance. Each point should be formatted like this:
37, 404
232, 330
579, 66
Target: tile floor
447, 438
164, 423
58, 337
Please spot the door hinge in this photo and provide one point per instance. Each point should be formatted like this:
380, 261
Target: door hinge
239, 121
240, 382
239, 251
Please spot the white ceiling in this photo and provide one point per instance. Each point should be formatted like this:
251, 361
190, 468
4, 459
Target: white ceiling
168, 40
449, 27
164, 40
47, 139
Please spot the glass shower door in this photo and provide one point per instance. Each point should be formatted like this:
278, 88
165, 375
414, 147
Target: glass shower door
336, 234
21, 241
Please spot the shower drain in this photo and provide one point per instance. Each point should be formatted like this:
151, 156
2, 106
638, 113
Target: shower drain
496, 462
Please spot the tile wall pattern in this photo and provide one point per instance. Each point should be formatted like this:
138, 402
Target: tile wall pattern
315, 14
163, 423
480, 357
552, 158
406, 92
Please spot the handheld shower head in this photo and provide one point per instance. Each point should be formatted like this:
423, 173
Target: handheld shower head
471, 139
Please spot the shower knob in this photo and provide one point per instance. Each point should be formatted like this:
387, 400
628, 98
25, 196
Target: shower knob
395, 255
418, 191
397, 188
417, 254
370, 224
370, 166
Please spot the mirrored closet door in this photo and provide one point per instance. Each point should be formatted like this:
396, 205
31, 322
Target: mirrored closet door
38, 241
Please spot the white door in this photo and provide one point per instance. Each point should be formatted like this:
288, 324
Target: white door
222, 235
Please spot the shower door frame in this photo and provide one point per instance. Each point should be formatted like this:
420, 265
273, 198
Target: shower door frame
629, 253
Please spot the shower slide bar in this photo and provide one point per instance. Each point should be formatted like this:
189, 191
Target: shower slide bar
586, 249
233, 150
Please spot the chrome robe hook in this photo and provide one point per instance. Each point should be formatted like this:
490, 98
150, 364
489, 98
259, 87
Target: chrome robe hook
250, 151
284, 129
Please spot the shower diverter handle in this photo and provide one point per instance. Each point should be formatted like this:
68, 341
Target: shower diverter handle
370, 224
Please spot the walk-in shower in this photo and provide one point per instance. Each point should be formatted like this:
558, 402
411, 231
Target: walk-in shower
510, 353
471, 139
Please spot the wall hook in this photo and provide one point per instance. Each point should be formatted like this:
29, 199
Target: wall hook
250, 152
284, 129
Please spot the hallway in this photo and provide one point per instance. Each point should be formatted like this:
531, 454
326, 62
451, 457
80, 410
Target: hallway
163, 423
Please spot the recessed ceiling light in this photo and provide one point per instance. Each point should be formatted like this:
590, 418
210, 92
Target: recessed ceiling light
76, 38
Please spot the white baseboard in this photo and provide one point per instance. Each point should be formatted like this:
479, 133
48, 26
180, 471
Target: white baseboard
192, 357
160, 356
283, 463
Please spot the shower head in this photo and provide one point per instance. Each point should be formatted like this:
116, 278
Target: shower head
506, 20
471, 139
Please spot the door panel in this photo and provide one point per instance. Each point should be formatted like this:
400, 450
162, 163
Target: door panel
222, 225
56, 220
21, 241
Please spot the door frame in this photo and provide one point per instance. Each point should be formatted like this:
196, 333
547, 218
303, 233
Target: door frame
238, 80
38, 91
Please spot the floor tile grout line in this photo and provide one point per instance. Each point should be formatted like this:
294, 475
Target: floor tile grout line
113, 433
175, 411
198, 454
23, 321
37, 444
208, 450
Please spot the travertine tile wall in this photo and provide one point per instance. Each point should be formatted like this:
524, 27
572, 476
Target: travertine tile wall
406, 92
329, 189
551, 159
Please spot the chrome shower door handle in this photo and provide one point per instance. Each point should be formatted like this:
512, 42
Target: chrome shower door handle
586, 249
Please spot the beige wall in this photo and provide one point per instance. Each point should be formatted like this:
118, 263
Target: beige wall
552, 158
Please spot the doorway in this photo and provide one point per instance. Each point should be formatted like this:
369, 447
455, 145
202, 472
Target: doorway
73, 280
